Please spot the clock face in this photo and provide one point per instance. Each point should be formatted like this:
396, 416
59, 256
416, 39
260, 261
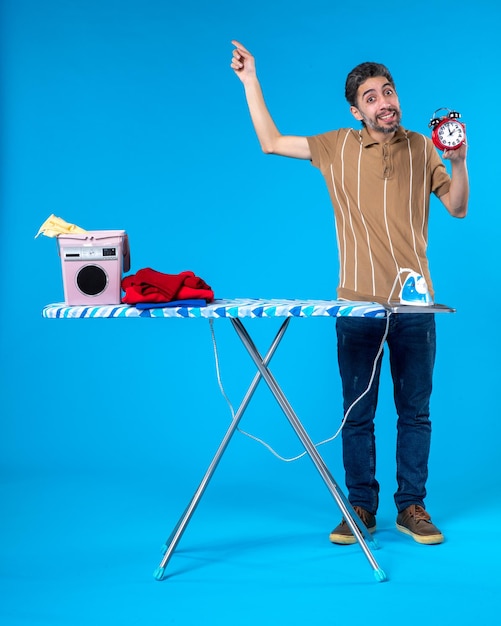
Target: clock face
450, 134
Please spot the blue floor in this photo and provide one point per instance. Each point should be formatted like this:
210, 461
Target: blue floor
81, 550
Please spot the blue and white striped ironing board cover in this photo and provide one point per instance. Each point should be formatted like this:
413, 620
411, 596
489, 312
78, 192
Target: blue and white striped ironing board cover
232, 308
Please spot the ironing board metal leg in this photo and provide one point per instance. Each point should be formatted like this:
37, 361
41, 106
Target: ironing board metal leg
357, 527
175, 536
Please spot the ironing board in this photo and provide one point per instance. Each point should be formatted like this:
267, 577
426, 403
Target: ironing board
236, 310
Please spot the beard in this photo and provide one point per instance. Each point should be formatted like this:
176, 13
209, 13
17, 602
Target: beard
388, 129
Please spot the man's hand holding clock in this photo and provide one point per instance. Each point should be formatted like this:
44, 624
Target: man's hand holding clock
449, 135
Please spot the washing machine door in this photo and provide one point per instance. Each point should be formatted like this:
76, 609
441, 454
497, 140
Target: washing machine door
91, 280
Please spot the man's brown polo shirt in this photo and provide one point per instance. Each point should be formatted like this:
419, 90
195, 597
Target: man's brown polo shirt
381, 195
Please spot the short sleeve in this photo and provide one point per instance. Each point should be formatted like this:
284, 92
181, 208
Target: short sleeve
440, 179
323, 148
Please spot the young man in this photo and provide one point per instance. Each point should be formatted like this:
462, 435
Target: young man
380, 179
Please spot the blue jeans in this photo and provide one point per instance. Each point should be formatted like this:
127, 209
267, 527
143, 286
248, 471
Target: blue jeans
411, 342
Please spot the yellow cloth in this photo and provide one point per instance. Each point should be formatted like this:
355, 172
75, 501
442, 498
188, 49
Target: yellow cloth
54, 226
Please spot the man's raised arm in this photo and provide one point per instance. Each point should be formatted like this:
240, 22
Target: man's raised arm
270, 138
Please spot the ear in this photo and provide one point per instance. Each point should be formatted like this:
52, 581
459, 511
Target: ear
356, 113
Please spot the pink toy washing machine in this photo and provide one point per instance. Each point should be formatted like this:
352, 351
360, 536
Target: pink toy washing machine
92, 264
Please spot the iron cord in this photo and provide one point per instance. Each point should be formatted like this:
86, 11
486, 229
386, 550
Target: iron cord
320, 443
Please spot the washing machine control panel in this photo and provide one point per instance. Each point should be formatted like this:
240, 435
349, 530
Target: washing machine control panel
86, 253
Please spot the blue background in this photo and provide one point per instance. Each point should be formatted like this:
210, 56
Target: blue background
126, 115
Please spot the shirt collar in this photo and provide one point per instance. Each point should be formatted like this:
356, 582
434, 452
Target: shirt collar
367, 140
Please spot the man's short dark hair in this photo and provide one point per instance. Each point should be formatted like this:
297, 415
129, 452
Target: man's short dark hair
360, 74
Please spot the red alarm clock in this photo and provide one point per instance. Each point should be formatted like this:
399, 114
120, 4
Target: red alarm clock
447, 133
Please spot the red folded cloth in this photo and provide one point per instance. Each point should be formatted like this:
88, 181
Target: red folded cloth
148, 285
